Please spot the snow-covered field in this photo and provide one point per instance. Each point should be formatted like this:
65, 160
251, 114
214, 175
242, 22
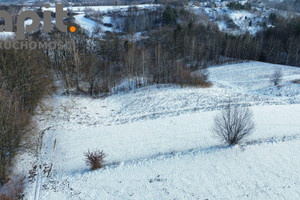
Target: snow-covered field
160, 146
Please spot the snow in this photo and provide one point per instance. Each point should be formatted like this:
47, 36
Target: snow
222, 25
254, 78
146, 138
159, 143
103, 9
85, 23
106, 19
89, 25
29, 22
238, 15
258, 172
218, 12
6, 35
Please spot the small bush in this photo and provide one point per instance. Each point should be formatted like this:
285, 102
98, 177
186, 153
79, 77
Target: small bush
200, 79
276, 77
185, 76
296, 81
95, 159
233, 124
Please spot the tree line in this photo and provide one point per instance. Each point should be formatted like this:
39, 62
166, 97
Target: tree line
176, 49
25, 81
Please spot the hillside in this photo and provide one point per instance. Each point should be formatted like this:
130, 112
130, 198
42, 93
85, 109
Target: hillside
150, 100
159, 141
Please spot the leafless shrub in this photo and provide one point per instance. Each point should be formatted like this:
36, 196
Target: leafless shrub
184, 76
200, 79
233, 124
276, 77
95, 159
297, 81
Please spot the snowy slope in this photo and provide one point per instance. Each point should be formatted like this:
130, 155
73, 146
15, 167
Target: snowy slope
254, 78
268, 171
85, 23
159, 142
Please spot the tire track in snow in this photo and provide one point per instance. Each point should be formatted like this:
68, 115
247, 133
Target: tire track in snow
39, 175
161, 115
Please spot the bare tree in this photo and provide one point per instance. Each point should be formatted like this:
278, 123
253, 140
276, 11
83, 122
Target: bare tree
276, 77
24, 82
13, 125
233, 124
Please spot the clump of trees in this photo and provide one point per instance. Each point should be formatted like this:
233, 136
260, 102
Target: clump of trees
281, 43
13, 123
169, 16
238, 6
96, 66
287, 5
273, 18
24, 82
